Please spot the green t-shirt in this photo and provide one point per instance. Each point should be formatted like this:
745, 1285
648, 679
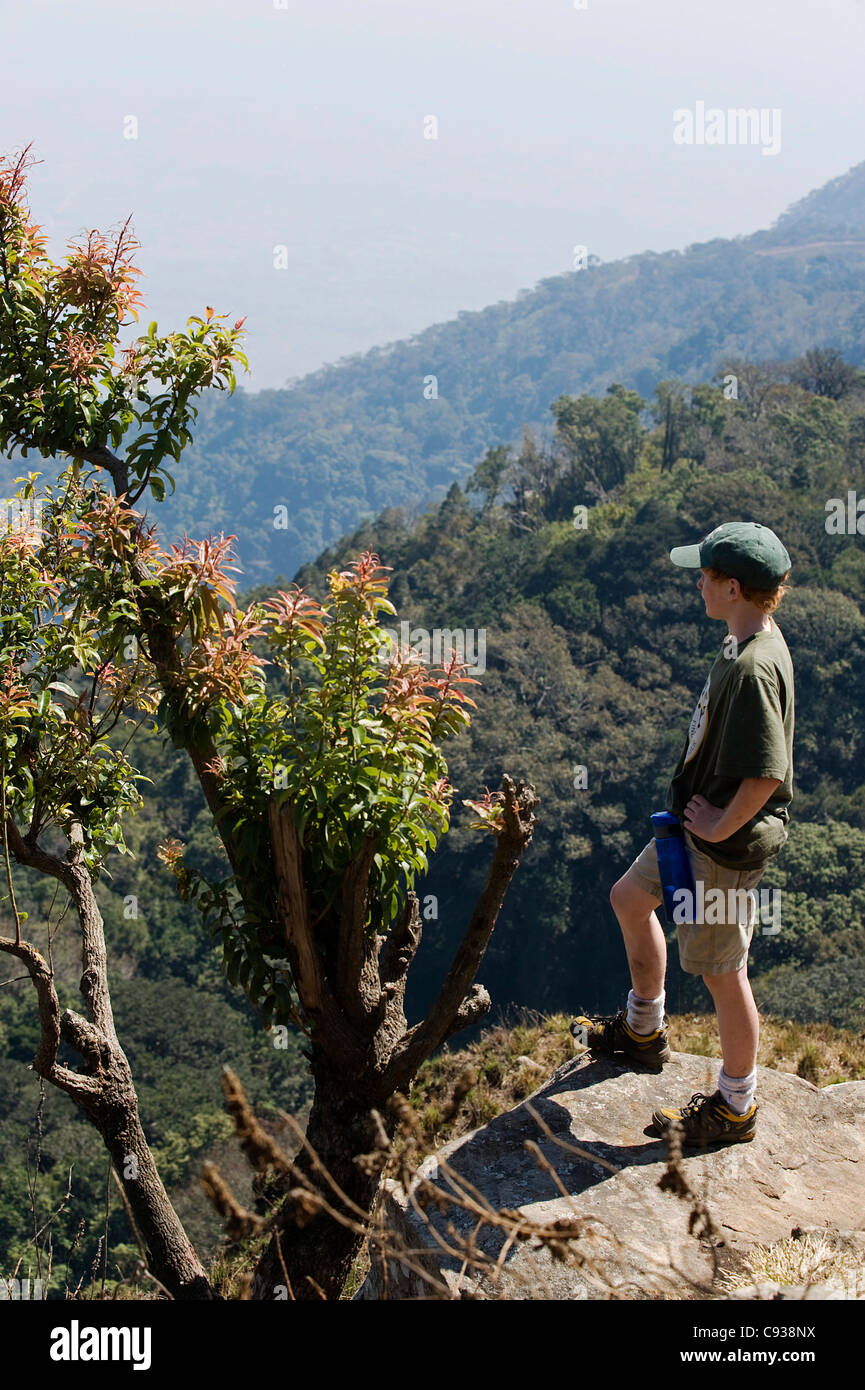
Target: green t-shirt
742, 727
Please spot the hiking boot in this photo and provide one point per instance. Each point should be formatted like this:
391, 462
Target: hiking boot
708, 1120
610, 1033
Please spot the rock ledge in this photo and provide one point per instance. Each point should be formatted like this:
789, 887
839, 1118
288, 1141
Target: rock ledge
805, 1168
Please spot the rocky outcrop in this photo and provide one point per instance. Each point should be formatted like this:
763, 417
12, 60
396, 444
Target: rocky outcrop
596, 1164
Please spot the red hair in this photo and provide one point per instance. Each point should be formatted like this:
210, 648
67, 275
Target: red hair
766, 600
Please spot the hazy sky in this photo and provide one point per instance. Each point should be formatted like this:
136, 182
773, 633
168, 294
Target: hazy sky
301, 124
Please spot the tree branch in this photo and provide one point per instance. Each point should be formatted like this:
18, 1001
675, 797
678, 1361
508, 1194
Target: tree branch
357, 984
72, 872
455, 1007
401, 945
397, 954
163, 650
293, 907
107, 1094
330, 1028
45, 1062
102, 457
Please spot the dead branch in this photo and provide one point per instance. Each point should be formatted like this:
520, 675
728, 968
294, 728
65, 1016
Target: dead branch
341, 1041
262, 1152
460, 1003
239, 1223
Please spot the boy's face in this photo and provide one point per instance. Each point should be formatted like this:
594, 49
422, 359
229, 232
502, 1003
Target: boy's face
718, 594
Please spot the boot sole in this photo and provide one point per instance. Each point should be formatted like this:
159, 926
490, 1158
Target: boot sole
653, 1061
707, 1143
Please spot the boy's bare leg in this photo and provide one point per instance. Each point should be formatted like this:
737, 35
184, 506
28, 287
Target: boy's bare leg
645, 944
738, 1020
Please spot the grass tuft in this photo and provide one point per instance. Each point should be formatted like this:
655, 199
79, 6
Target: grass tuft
506, 1064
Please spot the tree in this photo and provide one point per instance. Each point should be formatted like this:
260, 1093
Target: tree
489, 474
326, 799
754, 383
530, 478
598, 441
673, 410
824, 372
58, 774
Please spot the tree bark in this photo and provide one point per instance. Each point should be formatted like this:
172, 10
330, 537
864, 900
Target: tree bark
114, 1113
104, 1091
315, 1253
362, 1050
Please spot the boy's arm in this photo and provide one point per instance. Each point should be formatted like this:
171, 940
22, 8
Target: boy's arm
714, 823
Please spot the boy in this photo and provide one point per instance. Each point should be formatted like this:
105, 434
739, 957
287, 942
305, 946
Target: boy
731, 789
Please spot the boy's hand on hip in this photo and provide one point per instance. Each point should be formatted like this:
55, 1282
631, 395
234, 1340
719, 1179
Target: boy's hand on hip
715, 823
703, 819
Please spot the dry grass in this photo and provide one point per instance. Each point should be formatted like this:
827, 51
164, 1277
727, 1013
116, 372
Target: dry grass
812, 1258
459, 1091
817, 1051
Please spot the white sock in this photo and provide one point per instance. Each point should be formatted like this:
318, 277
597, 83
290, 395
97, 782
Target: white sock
645, 1015
738, 1091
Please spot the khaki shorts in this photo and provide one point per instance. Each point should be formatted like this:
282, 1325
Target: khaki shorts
720, 942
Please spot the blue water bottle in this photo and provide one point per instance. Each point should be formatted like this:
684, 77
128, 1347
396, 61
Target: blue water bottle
674, 866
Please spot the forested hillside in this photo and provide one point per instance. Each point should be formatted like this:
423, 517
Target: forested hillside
595, 648
290, 471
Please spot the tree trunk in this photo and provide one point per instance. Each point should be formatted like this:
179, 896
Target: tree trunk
363, 1052
339, 1128
113, 1111
104, 1089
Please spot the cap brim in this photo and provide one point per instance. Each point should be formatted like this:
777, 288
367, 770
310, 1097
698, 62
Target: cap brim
688, 556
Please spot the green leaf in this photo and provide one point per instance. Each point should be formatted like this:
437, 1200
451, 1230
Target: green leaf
63, 688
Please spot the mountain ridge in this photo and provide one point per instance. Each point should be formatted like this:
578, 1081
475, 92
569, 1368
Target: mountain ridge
289, 471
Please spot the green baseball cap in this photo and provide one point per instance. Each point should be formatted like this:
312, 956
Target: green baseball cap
745, 550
